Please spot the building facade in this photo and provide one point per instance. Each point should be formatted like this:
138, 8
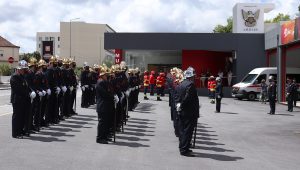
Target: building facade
7, 50
48, 43
85, 42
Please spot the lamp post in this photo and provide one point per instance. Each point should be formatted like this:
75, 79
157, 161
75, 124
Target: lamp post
71, 35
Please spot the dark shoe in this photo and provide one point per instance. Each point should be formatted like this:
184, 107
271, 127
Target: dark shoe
102, 141
217, 111
187, 154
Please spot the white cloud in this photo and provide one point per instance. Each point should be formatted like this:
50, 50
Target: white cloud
20, 20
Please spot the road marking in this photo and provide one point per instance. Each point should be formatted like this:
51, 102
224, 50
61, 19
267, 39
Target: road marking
5, 114
5, 105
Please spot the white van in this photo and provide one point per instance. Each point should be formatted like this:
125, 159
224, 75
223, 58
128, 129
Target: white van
249, 87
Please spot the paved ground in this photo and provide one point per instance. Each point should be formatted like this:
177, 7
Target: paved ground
243, 136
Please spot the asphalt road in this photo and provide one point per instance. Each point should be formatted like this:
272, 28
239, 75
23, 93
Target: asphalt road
242, 136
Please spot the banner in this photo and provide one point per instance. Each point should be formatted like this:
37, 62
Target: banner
288, 32
118, 57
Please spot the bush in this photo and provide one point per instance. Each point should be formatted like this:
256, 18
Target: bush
5, 70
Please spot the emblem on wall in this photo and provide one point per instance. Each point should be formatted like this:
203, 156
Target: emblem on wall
250, 17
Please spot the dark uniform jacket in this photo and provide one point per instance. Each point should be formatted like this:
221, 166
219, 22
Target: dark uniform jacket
186, 95
219, 90
51, 77
19, 89
272, 91
84, 78
105, 98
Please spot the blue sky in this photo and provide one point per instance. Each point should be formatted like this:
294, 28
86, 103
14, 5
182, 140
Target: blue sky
20, 19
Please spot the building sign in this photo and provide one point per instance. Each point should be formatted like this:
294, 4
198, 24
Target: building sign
288, 32
249, 17
118, 57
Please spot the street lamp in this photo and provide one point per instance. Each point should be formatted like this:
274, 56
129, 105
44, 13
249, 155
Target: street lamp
71, 35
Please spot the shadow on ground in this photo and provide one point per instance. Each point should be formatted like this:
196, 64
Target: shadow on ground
204, 142
65, 129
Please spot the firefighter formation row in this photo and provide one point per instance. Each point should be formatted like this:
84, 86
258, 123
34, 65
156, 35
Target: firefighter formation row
42, 94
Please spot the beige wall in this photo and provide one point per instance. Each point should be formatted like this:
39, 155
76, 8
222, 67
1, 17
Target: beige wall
9, 52
43, 36
87, 42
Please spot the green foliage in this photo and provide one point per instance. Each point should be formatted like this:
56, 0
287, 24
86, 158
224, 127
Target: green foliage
26, 56
5, 70
108, 62
224, 28
279, 17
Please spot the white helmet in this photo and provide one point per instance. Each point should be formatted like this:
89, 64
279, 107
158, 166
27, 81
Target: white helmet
188, 73
85, 64
218, 79
22, 65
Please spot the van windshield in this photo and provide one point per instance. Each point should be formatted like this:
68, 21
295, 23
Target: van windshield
249, 78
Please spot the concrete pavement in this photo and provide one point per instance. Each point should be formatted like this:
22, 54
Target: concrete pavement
242, 136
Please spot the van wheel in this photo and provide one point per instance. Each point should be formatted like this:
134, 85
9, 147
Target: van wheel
239, 98
251, 96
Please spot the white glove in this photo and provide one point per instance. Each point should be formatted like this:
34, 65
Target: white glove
40, 94
44, 93
82, 88
64, 89
219, 97
116, 99
92, 88
32, 95
122, 96
178, 108
57, 90
49, 92
71, 88
136, 87
127, 93
86, 86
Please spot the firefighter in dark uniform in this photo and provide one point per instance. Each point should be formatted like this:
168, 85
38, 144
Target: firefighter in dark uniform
52, 103
61, 84
187, 106
272, 95
44, 85
218, 94
31, 111
295, 92
105, 107
94, 77
40, 84
84, 79
125, 89
66, 95
73, 87
137, 85
131, 82
290, 94
19, 99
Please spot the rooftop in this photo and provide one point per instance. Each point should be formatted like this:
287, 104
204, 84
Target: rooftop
6, 43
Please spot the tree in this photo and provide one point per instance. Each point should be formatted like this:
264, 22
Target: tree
26, 56
224, 28
279, 17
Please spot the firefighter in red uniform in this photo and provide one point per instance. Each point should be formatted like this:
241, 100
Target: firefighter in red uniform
212, 89
152, 83
146, 84
163, 79
159, 86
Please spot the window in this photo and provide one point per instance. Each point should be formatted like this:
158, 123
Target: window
1, 53
39, 45
47, 38
40, 38
249, 78
58, 38
260, 77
